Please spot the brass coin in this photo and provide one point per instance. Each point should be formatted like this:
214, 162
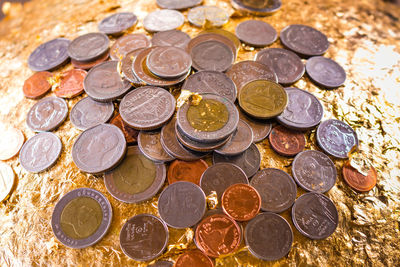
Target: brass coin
7, 178
208, 116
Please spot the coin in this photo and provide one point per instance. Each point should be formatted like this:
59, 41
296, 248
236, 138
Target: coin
162, 264
174, 38
286, 142
189, 171
117, 23
163, 20
89, 46
336, 138
178, 4
71, 83
40, 152
241, 140
213, 82
304, 40
212, 15
126, 66
47, 114
90, 64
37, 85
128, 43
314, 171
256, 33
11, 140
303, 112
259, 8
249, 161
99, 149
315, 215
212, 37
260, 129
225, 33
325, 72
358, 180
7, 178
194, 258
129, 133
49, 55
88, 113
182, 204
269, 236
263, 99
212, 55
136, 179
276, 188
150, 144
81, 205
104, 83
147, 107
286, 64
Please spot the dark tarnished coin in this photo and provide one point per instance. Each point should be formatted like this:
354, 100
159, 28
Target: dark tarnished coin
117, 23
194, 258
303, 112
269, 236
163, 20
256, 33
213, 82
336, 138
37, 85
178, 4
90, 64
129, 133
276, 188
104, 83
314, 171
325, 72
241, 140
81, 218
260, 8
71, 83
286, 64
136, 179
126, 66
212, 15
143, 237
89, 46
362, 182
304, 40
249, 161
128, 43
88, 113
50, 55
225, 33
150, 144
182, 204
162, 264
189, 171
286, 142
99, 149
212, 55
147, 107
174, 38
260, 129
47, 114
212, 37
40, 152
315, 215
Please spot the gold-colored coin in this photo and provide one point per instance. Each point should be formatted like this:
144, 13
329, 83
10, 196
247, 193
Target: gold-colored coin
227, 34
263, 99
7, 178
208, 116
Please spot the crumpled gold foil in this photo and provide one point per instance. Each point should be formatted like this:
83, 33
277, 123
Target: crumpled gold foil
365, 40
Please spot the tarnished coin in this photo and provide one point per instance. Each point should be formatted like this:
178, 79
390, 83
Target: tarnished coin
150, 144
357, 180
89, 46
37, 85
212, 15
143, 237
99, 149
11, 140
225, 33
128, 43
130, 134
126, 66
315, 215
259, 8
40, 152
213, 82
314, 171
212, 37
163, 20
263, 99
276, 188
178, 4
256, 33
47, 114
88, 113
136, 179
286, 142
303, 112
325, 72
260, 128
147, 107
81, 218
286, 64
104, 83
117, 23
304, 40
182, 204
71, 83
212, 55
7, 178
89, 64
241, 140
249, 161
189, 171
269, 236
336, 138
174, 38
162, 264
50, 55
194, 258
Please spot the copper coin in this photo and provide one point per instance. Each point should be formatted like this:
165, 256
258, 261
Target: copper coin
358, 180
217, 235
126, 66
37, 85
163, 20
117, 23
241, 202
71, 83
256, 33
88, 47
174, 38
194, 258
129, 133
241, 140
11, 140
7, 179
88, 65
325, 72
150, 144
258, 8
128, 43
260, 128
190, 171
49, 55
286, 142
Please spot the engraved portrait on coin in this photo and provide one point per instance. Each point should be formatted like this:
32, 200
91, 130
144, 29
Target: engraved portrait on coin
47, 114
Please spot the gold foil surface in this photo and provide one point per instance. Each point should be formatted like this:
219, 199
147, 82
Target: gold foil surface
365, 40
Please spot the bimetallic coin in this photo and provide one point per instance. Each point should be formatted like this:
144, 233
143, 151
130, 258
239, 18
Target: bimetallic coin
225, 33
325, 72
189, 171
90, 64
358, 180
117, 23
11, 140
50, 55
71, 83
7, 178
256, 33
178, 4
88, 47
47, 114
174, 38
81, 218
163, 20
150, 144
212, 15
126, 66
286, 142
241, 140
259, 8
128, 43
37, 85
212, 55
130, 134
194, 258
260, 128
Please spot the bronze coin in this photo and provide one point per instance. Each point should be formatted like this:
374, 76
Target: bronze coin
129, 133
128, 43
88, 65
37, 85
212, 15
193, 258
117, 23
287, 142
88, 47
150, 144
189, 171
71, 83
11, 142
163, 20
256, 33
260, 128
358, 180
126, 66
241, 140
174, 38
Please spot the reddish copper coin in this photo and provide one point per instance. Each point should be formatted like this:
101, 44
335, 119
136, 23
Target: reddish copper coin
190, 171
194, 258
88, 65
71, 83
37, 85
130, 134
357, 180
241, 202
217, 235
286, 142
